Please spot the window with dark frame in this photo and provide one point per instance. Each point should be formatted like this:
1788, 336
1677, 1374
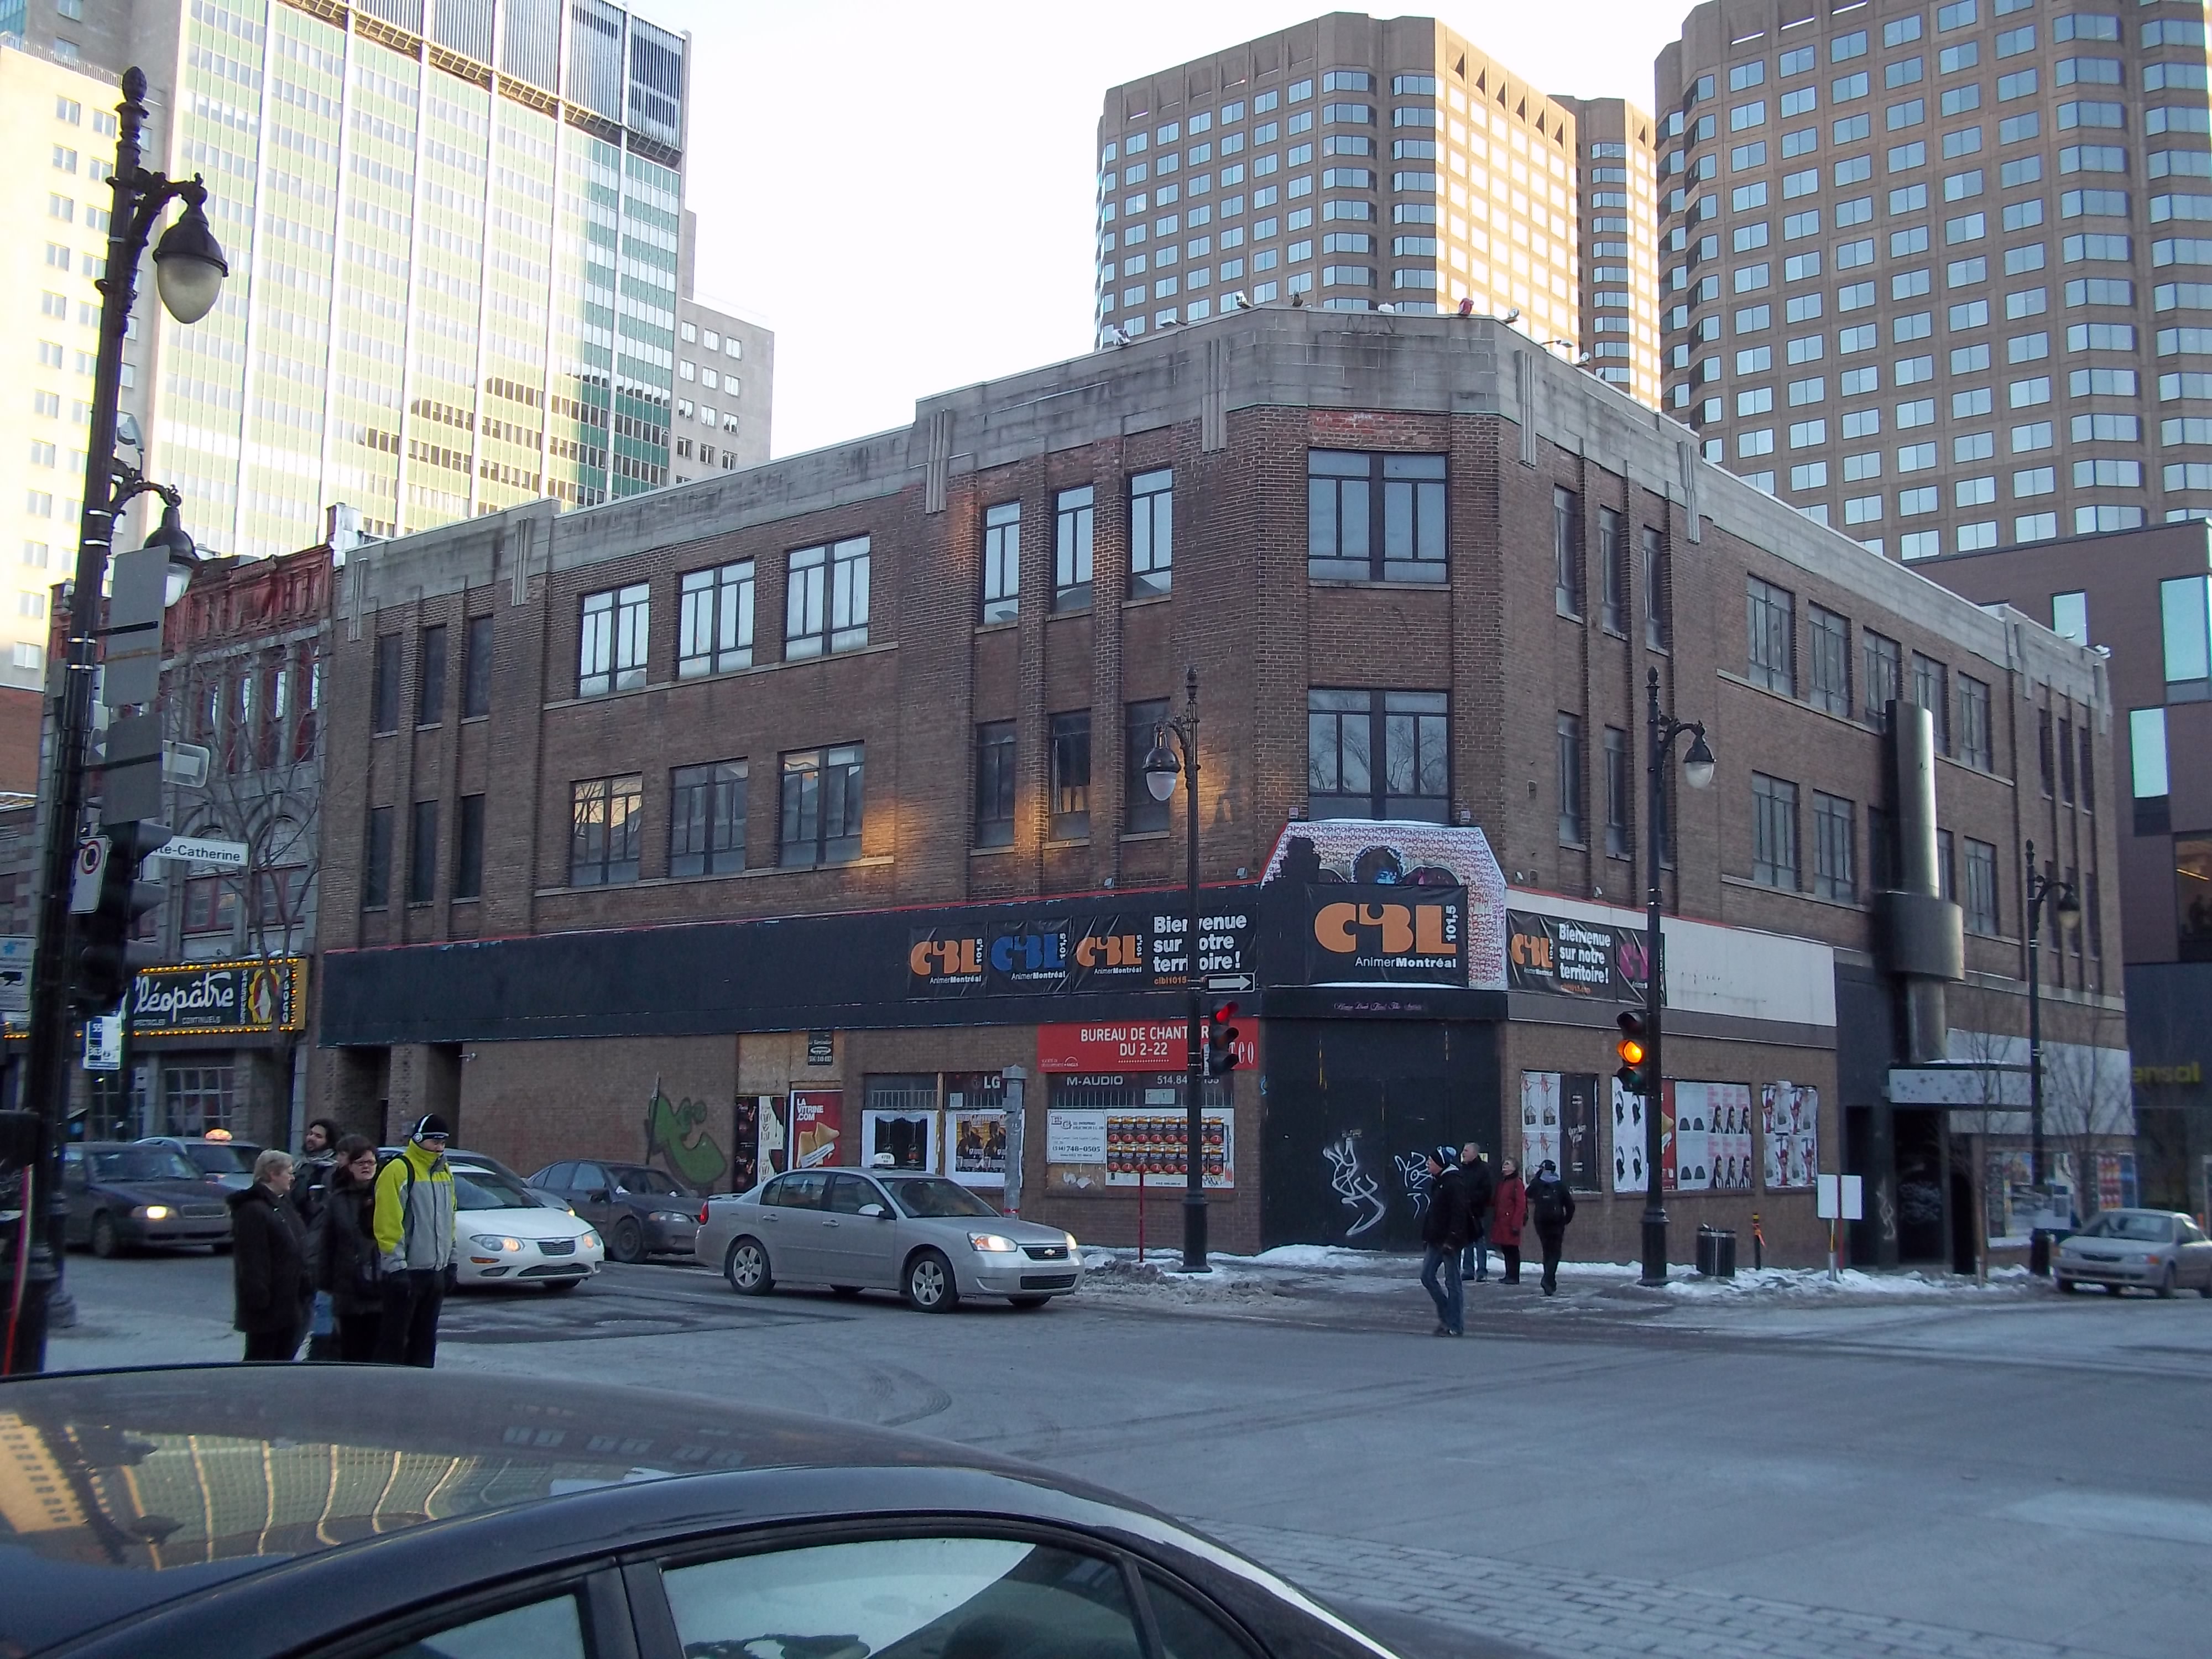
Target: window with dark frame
1613, 563
423, 854
468, 848
1654, 590
1931, 691
210, 905
1981, 905
376, 860
1774, 832
1573, 829
2047, 762
476, 667
1070, 776
1002, 562
307, 698
1618, 795
995, 784
280, 895
1947, 875
611, 644
1882, 660
1152, 532
823, 798
2066, 762
1881, 851
1835, 836
1073, 514
606, 816
1977, 738
1828, 649
825, 607
1566, 551
2088, 777
1375, 517
1347, 731
706, 818
384, 696
430, 675
715, 620
1771, 624
1141, 722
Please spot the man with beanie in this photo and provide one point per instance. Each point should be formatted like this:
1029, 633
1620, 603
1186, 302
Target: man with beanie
1551, 1206
1475, 1260
1443, 1230
414, 1222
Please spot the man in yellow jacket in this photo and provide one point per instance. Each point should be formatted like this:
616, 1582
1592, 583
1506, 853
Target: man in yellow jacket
414, 1225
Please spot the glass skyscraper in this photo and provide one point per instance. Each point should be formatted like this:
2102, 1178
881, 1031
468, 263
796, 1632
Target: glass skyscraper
454, 232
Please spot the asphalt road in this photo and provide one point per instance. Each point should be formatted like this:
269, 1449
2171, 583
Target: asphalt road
2024, 1478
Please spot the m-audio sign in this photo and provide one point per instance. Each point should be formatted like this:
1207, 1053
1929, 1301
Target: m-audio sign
220, 999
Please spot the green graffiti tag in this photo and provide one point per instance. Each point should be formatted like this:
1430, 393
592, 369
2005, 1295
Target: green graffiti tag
676, 1132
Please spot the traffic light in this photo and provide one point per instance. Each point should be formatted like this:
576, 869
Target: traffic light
1630, 1050
1221, 1041
106, 959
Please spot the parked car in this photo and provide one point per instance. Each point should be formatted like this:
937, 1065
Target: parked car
221, 1161
126, 1194
929, 1238
550, 1201
2156, 1249
503, 1234
639, 1211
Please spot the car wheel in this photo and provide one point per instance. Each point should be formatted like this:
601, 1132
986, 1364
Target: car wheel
1026, 1301
222, 1248
845, 1289
107, 1242
626, 1243
2115, 1290
2069, 1286
929, 1283
2165, 1284
555, 1285
747, 1268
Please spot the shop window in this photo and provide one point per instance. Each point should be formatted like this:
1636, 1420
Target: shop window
198, 1098
900, 1121
2192, 880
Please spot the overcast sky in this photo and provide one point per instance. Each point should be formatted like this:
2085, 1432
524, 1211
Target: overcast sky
902, 191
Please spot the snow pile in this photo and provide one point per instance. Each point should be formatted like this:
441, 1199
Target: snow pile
1814, 1283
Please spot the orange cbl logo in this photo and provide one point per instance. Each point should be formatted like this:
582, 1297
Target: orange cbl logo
1109, 950
938, 958
1421, 929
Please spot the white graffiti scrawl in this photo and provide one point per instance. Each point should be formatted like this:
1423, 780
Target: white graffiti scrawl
1413, 1176
1355, 1188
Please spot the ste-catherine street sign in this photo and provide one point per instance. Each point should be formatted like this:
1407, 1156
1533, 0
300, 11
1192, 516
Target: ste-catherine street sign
222, 854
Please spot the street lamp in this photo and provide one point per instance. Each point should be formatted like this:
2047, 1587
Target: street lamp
1698, 773
2066, 911
189, 269
1162, 767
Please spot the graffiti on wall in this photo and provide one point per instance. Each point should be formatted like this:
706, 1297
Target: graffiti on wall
676, 1133
1355, 1188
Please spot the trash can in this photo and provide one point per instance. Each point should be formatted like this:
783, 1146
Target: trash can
1709, 1256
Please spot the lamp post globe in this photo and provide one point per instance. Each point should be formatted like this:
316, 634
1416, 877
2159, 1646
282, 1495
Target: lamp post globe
1161, 771
1698, 764
189, 266
183, 557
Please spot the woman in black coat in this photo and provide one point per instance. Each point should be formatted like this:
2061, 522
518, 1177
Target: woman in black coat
268, 1262
346, 1260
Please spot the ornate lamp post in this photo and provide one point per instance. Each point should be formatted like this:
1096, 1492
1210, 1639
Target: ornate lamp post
1698, 773
189, 269
1162, 767
2043, 888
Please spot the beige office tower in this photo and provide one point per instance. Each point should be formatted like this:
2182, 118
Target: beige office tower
724, 365
1349, 162
1618, 221
1939, 273
57, 128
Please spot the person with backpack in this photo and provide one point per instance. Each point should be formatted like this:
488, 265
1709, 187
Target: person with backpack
346, 1267
1443, 1230
1551, 1206
1481, 1190
413, 1212
1508, 1213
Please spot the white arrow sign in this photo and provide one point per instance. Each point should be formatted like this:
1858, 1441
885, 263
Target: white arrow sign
223, 854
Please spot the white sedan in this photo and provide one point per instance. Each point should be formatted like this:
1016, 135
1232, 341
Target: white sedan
930, 1239
504, 1234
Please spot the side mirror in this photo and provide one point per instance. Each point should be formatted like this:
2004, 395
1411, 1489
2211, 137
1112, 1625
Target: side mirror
877, 1211
603, 1196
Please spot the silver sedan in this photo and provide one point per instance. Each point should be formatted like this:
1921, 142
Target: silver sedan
930, 1239
2156, 1249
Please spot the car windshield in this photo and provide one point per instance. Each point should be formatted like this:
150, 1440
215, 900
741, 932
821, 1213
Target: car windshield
222, 1157
141, 1163
487, 1189
2132, 1225
927, 1196
634, 1178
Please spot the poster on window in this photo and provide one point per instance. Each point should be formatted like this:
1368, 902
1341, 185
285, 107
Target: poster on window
975, 1147
1539, 1120
1149, 1148
1581, 1149
1708, 1137
908, 1140
1628, 1115
818, 1118
1790, 1124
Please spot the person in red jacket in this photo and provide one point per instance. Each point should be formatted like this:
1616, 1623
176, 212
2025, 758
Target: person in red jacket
1508, 1214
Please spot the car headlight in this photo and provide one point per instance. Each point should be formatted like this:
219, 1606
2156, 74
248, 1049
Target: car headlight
152, 1212
995, 1243
492, 1242
2141, 1255
1073, 1247
590, 1242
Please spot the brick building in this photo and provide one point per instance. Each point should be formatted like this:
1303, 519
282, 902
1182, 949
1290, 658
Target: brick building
2145, 598
555, 907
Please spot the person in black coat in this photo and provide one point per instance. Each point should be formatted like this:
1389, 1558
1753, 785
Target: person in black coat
1443, 1230
1551, 1206
268, 1262
1481, 1189
346, 1264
